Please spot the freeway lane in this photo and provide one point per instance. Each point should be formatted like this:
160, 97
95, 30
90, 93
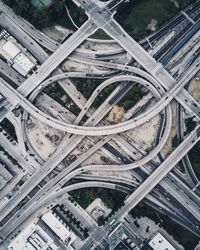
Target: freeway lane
33, 208
143, 189
163, 170
37, 35
93, 7
16, 98
149, 184
61, 152
191, 104
143, 57
57, 58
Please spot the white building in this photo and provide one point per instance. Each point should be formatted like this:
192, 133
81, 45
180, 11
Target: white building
10, 50
122, 238
59, 229
18, 60
158, 242
22, 64
33, 237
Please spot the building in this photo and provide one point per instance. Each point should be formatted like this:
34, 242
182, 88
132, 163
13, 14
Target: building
37, 241
33, 237
10, 50
121, 246
16, 58
48, 233
2, 182
121, 238
22, 64
159, 242
5, 175
53, 222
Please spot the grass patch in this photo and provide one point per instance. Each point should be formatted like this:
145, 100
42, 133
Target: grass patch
87, 87
56, 92
194, 152
45, 17
9, 128
131, 97
195, 159
100, 34
112, 198
135, 16
190, 125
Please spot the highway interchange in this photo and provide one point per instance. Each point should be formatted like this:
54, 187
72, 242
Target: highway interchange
148, 169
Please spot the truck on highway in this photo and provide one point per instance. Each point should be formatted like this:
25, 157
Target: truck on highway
112, 222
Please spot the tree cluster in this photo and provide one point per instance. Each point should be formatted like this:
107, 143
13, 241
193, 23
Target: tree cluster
44, 16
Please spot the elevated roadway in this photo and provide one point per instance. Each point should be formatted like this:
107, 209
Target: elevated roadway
149, 184
15, 98
37, 35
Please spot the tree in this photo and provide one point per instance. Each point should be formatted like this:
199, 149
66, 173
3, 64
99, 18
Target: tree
190, 125
41, 17
101, 221
175, 141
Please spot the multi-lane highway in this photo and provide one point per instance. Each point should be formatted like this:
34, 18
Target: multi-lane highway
157, 80
15, 98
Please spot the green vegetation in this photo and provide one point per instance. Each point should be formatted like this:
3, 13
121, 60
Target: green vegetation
112, 199
135, 16
194, 152
56, 92
9, 128
131, 97
87, 87
175, 141
100, 34
14, 162
182, 235
45, 17
71, 219
195, 159
101, 221
190, 125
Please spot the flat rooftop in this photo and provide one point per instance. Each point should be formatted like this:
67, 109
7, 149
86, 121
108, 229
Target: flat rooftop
121, 246
159, 242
